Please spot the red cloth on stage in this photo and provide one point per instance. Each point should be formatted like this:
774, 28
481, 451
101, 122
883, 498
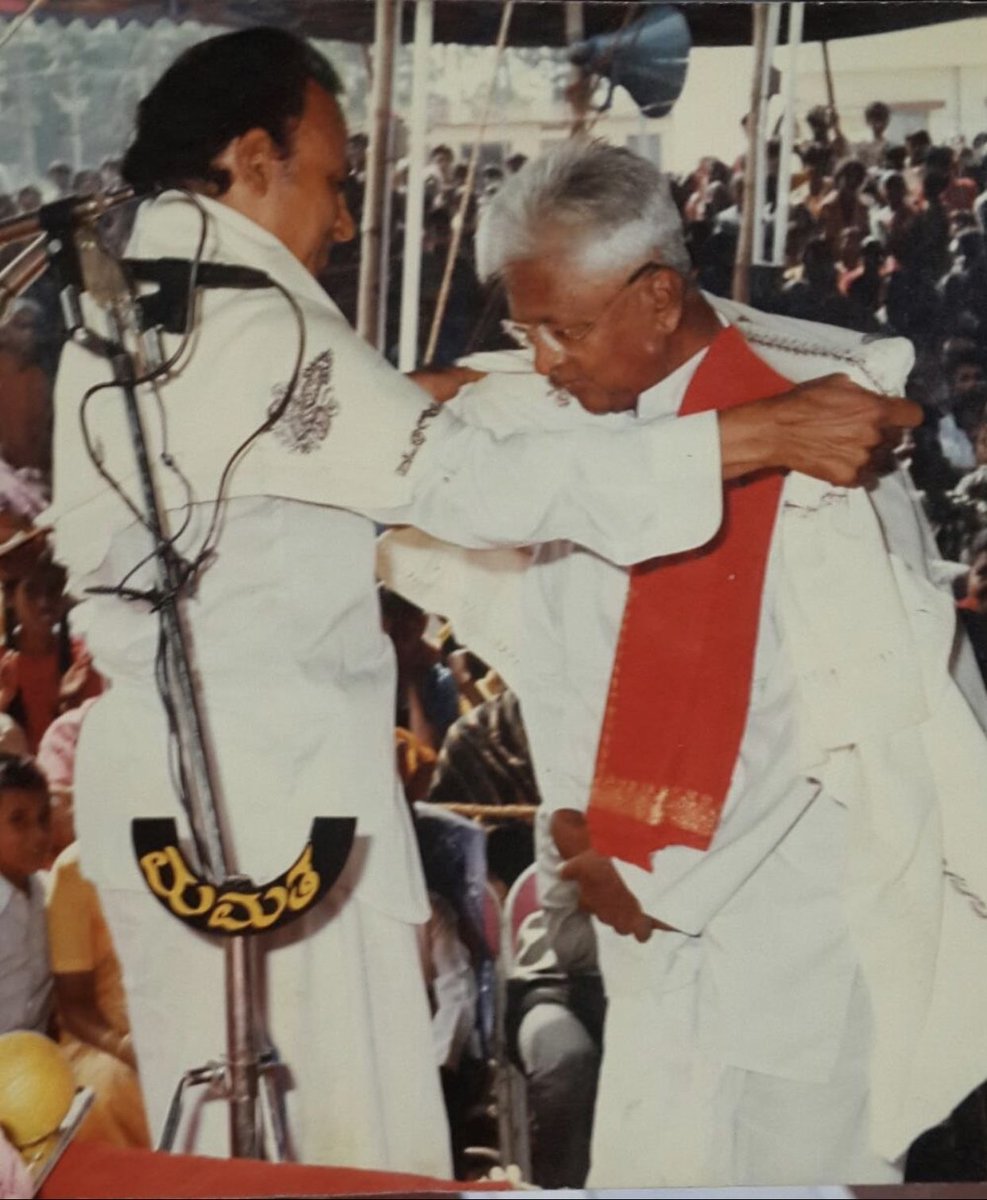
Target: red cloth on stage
97, 1170
681, 680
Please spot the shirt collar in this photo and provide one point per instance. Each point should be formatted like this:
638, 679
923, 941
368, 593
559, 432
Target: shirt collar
665, 398
8, 891
170, 225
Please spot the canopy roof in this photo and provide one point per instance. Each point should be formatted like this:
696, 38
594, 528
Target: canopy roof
535, 22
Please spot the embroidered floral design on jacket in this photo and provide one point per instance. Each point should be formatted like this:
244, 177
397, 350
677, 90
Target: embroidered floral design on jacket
418, 437
308, 417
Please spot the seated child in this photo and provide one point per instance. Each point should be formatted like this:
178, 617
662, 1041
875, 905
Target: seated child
27, 986
25, 978
91, 1006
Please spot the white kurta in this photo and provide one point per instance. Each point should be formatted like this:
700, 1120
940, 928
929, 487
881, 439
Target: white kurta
822, 1004
297, 676
755, 991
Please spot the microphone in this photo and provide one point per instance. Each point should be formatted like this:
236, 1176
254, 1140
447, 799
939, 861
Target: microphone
55, 217
167, 307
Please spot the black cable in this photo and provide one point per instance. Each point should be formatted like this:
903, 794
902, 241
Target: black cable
142, 380
182, 571
214, 531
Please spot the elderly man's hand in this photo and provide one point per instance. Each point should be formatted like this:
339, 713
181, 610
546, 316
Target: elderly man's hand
442, 383
601, 890
570, 833
604, 894
830, 428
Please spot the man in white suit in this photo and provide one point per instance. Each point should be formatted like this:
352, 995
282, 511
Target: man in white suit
763, 757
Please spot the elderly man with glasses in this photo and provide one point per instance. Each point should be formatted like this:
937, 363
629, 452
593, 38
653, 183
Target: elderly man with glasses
762, 755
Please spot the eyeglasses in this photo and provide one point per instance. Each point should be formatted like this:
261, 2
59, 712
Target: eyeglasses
561, 339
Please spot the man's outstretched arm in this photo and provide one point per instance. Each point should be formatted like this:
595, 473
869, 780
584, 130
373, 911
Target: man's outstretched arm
830, 428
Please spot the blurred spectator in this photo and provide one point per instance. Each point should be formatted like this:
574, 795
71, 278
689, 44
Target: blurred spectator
917, 145
465, 301
510, 851
864, 285
972, 607
964, 288
815, 185
416, 764
427, 698
109, 173
893, 219
825, 136
555, 1015
965, 405
959, 193
913, 305
91, 1006
815, 296
44, 670
486, 758
87, 182
871, 152
25, 979
29, 198
59, 176
439, 181
896, 159
848, 252
25, 414
843, 208
56, 759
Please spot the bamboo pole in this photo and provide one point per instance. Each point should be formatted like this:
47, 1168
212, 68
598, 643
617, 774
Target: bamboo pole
745, 246
460, 222
796, 14
414, 222
370, 295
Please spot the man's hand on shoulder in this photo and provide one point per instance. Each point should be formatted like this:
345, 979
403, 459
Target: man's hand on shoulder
442, 383
830, 428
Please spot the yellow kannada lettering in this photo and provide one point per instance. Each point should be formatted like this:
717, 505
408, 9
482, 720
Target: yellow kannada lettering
160, 866
302, 882
253, 913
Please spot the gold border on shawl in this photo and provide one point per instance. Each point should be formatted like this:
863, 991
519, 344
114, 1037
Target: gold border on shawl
683, 808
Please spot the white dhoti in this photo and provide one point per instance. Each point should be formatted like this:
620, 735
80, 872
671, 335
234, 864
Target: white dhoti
672, 1113
295, 736
357, 1078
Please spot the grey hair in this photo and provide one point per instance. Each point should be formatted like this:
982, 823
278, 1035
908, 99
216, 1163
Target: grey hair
615, 206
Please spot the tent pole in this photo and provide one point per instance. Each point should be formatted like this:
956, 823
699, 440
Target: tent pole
415, 206
745, 245
459, 221
369, 297
796, 15
761, 160
579, 88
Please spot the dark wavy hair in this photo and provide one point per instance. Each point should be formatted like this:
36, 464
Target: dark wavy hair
214, 92
21, 774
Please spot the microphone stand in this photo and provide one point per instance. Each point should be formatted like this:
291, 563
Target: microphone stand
18, 275
225, 903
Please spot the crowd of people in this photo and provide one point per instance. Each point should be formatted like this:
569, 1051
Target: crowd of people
881, 239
